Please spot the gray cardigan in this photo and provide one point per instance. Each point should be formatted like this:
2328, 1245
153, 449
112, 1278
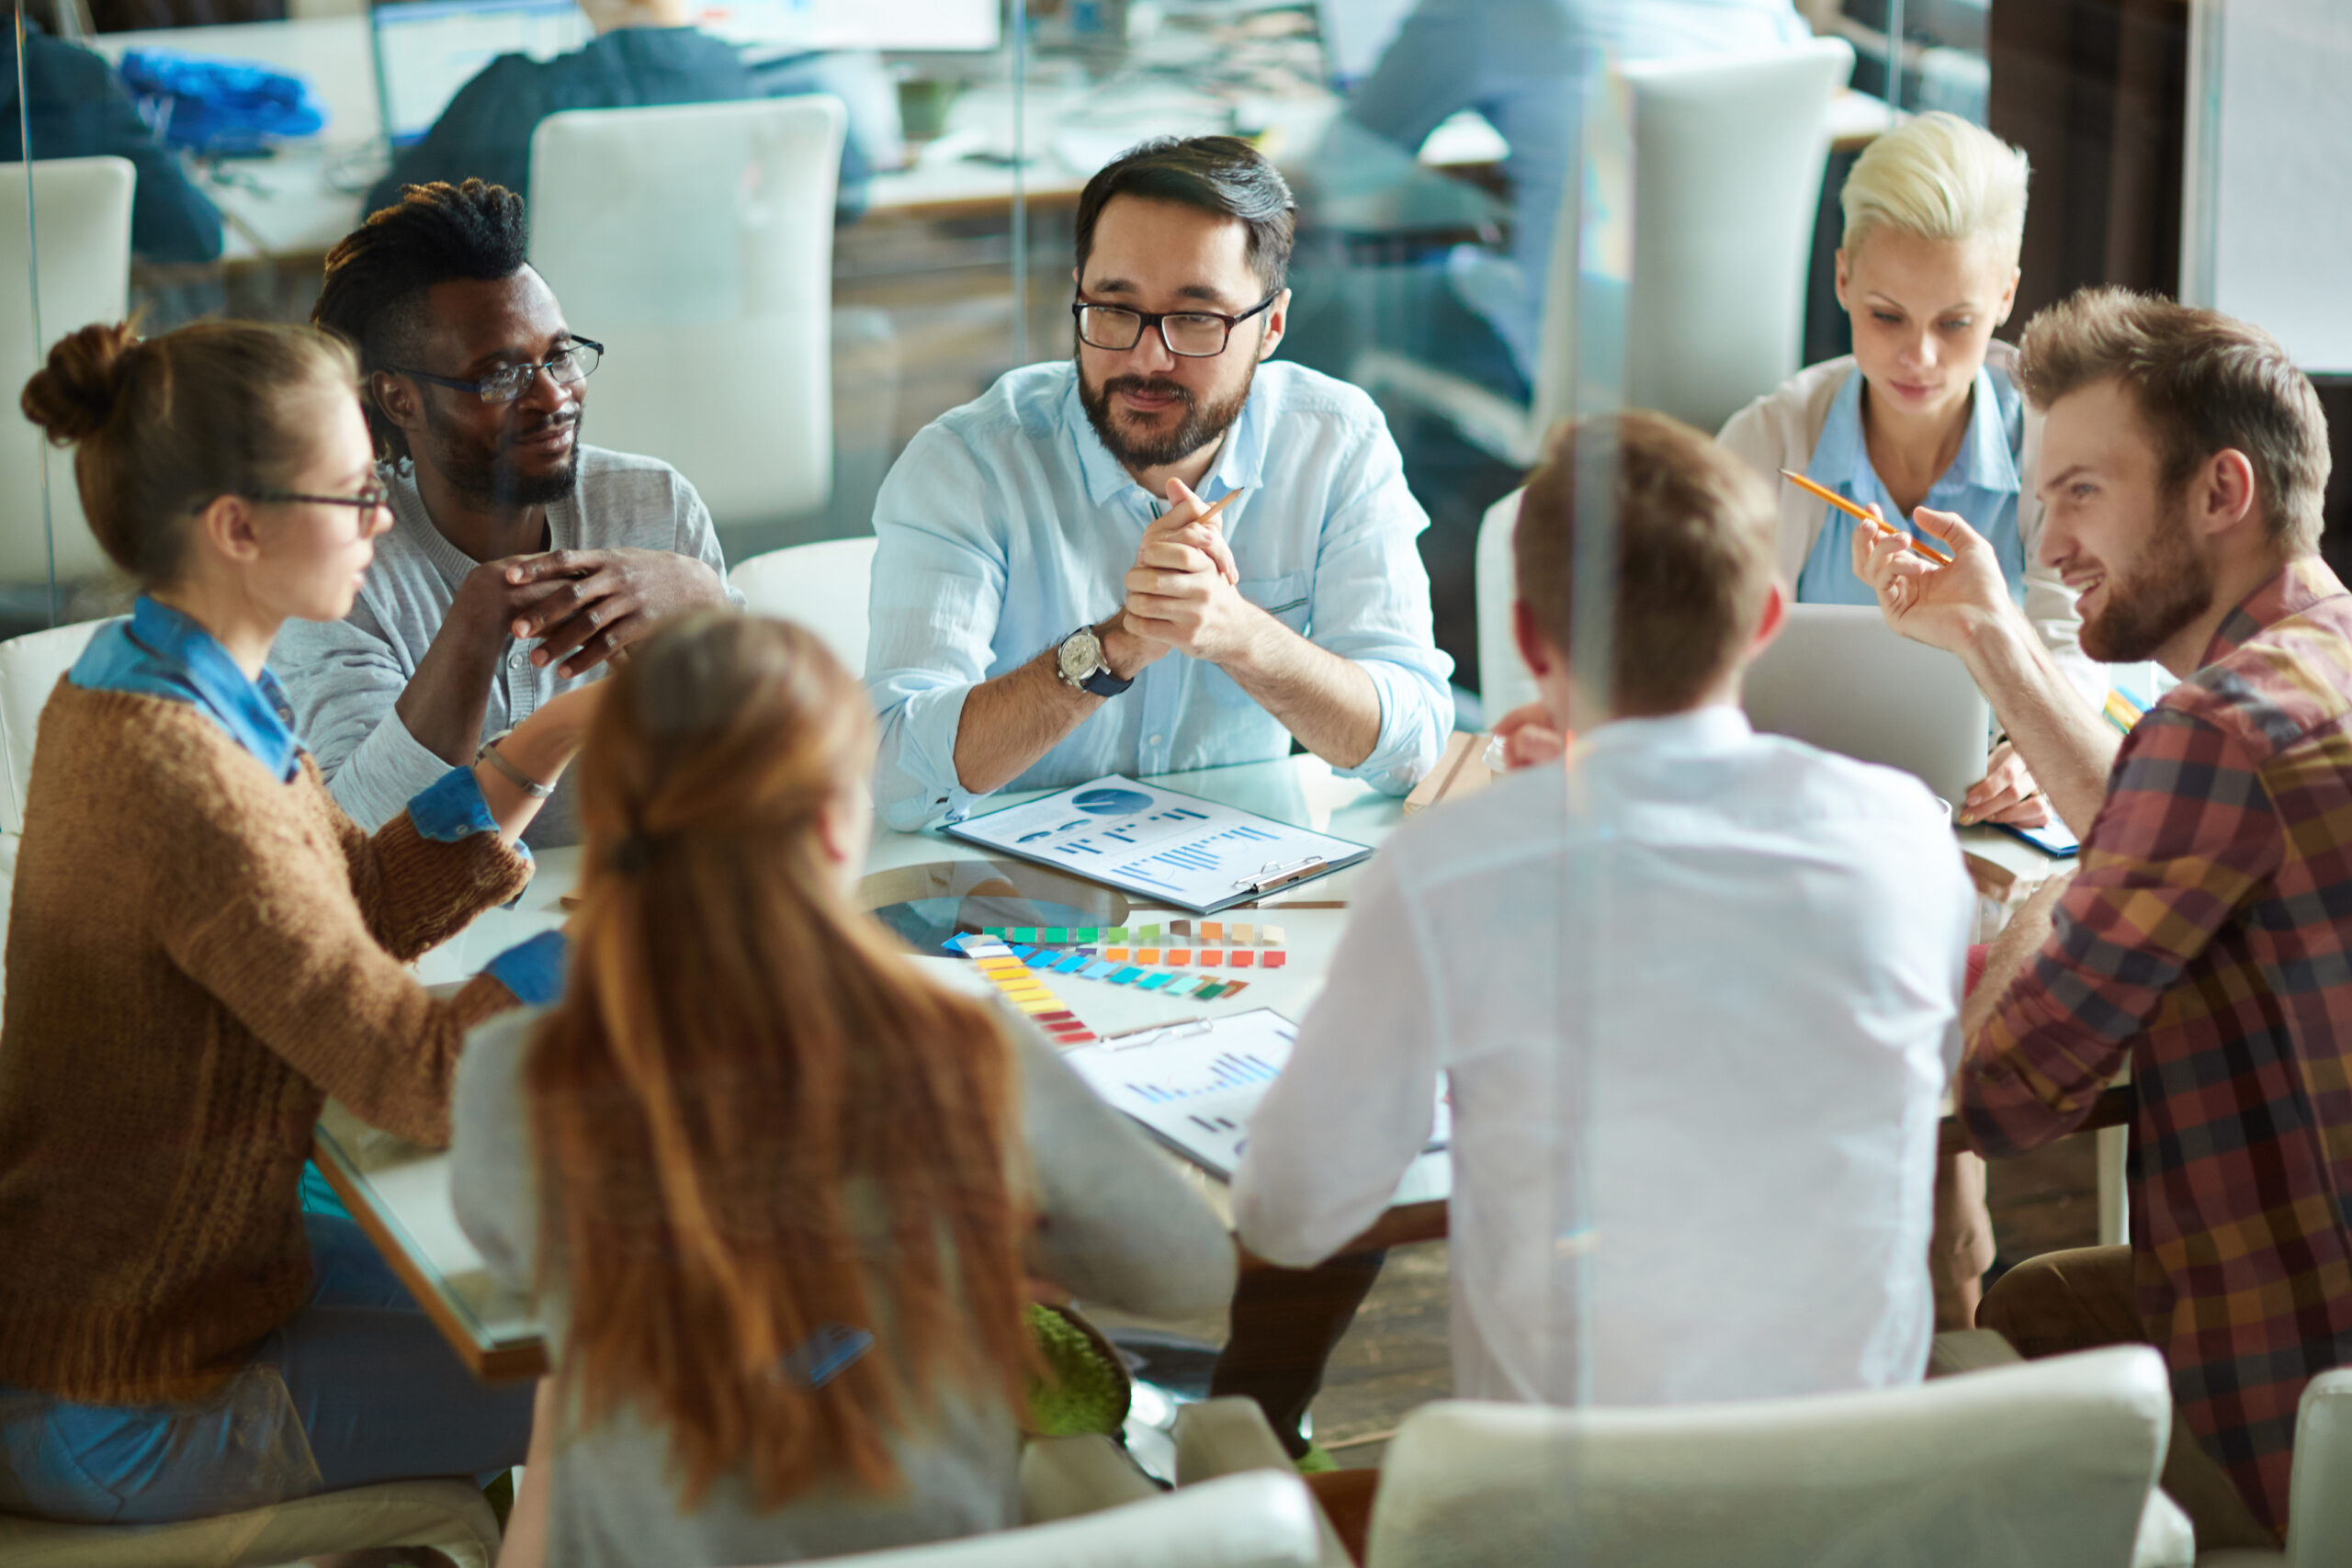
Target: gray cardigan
1118, 1225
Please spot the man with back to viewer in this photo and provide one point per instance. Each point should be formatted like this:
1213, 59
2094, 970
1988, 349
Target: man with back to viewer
1038, 620
1682, 950
2201, 939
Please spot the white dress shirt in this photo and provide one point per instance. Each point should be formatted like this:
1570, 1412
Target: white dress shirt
1697, 997
1007, 524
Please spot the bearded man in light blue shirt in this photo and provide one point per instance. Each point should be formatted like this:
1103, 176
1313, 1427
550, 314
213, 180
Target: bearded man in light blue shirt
1050, 600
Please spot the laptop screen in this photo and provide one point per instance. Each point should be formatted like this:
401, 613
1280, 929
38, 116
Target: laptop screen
426, 50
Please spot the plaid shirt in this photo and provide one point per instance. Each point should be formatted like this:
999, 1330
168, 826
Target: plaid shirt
2208, 940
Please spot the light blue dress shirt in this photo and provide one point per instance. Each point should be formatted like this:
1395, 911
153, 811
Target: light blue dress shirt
1007, 524
1982, 486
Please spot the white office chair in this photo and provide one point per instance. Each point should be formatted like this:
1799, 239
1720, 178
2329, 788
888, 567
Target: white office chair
1503, 680
82, 215
2047, 1464
822, 586
695, 242
2319, 1496
448, 1516
30, 667
1728, 158
1258, 1520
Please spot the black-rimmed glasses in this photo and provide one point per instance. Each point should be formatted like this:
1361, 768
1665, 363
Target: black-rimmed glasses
364, 506
569, 367
1189, 334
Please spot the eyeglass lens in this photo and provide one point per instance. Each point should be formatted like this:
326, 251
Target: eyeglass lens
1194, 336
568, 368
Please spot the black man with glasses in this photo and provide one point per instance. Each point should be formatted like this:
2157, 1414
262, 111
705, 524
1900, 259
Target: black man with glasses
520, 559
1049, 603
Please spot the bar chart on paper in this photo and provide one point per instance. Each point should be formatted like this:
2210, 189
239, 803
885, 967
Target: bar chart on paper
1176, 850
1197, 1084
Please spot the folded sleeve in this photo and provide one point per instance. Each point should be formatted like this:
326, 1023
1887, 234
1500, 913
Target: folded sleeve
938, 592
344, 680
2187, 834
423, 876
1371, 606
1356, 1102
1117, 1223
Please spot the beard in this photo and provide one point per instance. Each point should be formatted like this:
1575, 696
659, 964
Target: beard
1195, 425
2170, 585
485, 474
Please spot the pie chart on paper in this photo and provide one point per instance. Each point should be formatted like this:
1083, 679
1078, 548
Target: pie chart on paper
1111, 802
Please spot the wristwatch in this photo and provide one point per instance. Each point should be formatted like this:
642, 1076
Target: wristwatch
1080, 663
497, 759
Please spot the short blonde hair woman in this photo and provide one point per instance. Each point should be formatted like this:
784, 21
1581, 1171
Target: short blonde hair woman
1925, 413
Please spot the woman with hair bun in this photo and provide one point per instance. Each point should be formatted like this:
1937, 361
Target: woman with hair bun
202, 948
779, 1189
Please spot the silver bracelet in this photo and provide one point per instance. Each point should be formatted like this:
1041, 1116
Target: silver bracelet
490, 753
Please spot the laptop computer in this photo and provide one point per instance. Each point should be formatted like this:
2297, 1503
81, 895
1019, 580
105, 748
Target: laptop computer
1838, 677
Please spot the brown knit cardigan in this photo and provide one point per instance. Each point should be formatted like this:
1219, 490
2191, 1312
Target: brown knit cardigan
198, 954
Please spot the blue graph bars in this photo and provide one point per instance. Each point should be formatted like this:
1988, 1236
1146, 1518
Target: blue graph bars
1228, 1069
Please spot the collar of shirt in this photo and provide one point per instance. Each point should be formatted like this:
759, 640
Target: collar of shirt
2302, 583
1239, 462
175, 657
1711, 727
1841, 457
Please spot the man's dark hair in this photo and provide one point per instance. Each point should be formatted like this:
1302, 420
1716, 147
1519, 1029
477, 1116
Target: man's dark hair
375, 280
1222, 175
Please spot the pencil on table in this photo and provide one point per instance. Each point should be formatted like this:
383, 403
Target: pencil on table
1918, 542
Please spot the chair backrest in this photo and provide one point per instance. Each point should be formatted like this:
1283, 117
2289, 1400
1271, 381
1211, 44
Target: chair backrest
1728, 159
822, 586
2319, 1502
29, 668
2045, 1465
1259, 1519
1503, 680
696, 241
81, 216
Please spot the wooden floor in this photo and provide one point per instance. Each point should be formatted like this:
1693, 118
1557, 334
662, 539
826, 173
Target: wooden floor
1396, 1358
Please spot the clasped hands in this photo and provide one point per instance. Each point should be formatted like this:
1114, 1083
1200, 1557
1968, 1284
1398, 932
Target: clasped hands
1946, 607
1181, 592
586, 607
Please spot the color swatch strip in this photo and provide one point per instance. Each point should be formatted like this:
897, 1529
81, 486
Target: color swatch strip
1019, 984
1111, 967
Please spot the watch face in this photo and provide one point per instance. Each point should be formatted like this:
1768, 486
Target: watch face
1080, 656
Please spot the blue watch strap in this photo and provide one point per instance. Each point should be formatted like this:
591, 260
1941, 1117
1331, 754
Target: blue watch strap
1102, 683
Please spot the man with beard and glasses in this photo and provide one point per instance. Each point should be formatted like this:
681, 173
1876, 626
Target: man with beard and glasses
519, 558
1048, 606
2202, 942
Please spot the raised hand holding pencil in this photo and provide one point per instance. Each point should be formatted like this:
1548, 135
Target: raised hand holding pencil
1919, 542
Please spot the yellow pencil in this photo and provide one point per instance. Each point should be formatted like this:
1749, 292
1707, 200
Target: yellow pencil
1919, 542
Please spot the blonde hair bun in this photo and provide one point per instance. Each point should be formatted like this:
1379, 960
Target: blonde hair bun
1939, 177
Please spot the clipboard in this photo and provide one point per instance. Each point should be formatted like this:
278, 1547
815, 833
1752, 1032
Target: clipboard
1195, 1084
1161, 845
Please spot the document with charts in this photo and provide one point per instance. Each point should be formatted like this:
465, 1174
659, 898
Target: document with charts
1197, 1085
1165, 848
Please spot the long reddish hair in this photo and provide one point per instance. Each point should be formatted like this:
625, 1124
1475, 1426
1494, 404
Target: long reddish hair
758, 1125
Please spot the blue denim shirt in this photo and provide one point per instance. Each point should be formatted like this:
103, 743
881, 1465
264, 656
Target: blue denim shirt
158, 653
1007, 525
1982, 486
